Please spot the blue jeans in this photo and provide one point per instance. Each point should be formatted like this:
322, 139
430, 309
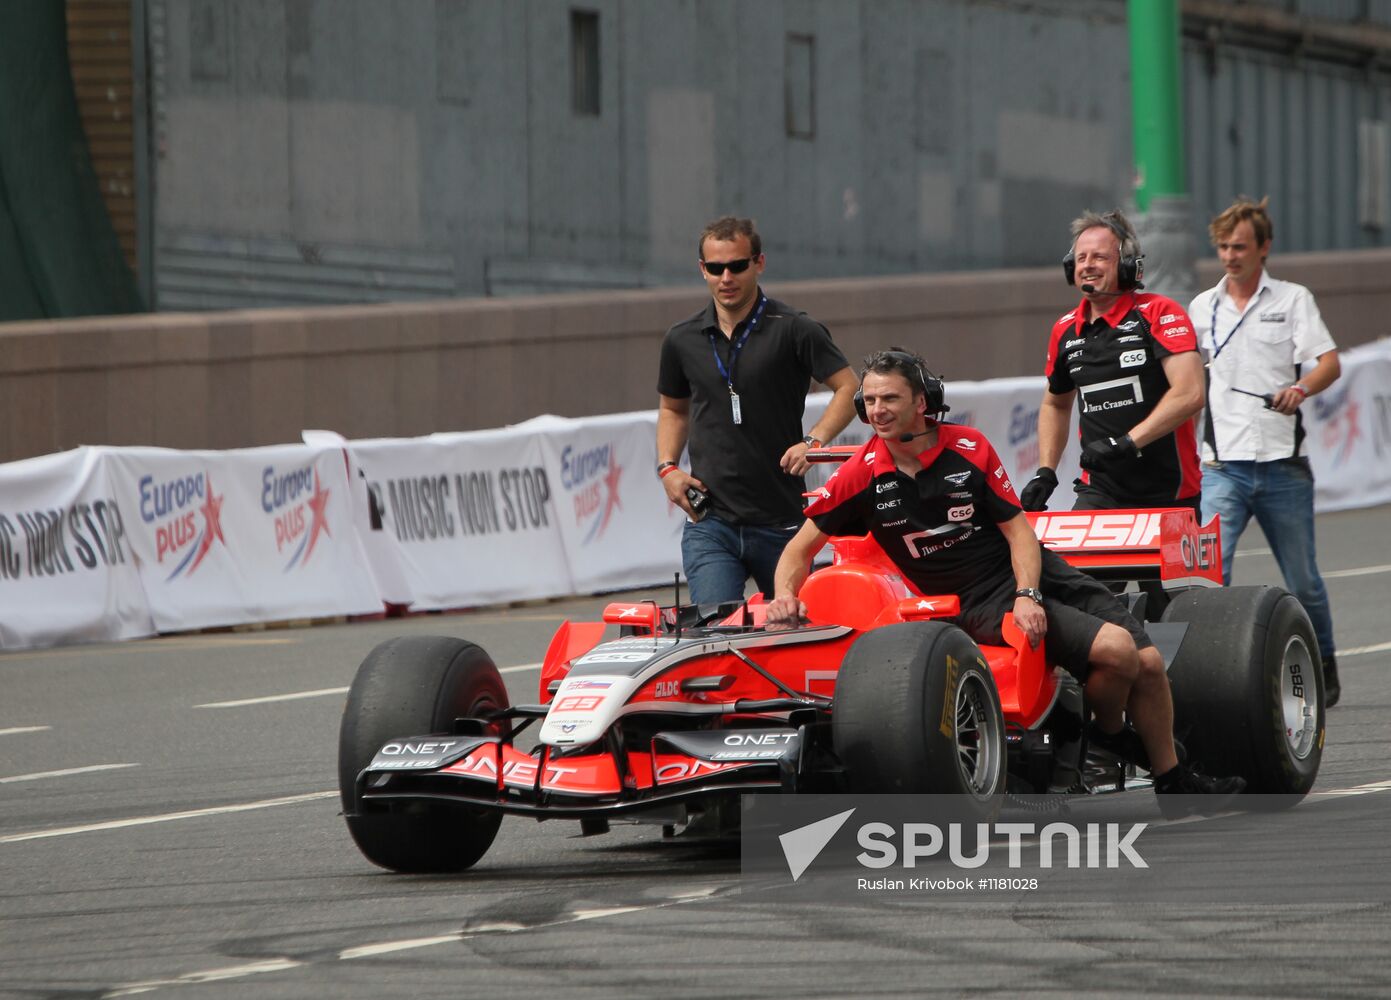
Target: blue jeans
719, 556
1281, 496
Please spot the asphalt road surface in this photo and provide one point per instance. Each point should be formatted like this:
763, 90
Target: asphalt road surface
169, 826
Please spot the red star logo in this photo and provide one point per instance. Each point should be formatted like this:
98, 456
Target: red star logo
1354, 430
318, 504
1342, 431
212, 524
611, 485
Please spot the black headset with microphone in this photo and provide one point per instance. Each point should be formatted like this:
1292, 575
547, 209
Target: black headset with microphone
932, 388
1130, 272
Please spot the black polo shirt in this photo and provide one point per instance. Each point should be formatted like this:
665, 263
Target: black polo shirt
940, 527
1115, 363
772, 373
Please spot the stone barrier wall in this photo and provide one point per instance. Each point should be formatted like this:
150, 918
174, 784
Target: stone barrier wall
259, 377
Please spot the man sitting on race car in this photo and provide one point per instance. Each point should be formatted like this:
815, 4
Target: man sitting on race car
938, 501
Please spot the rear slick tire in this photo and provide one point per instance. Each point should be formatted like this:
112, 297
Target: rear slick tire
916, 710
416, 686
1247, 687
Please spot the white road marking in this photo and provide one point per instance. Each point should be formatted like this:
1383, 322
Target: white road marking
1380, 647
606, 911
206, 976
387, 947
1371, 786
15, 730
507, 927
37, 775
1327, 574
120, 824
380, 948
320, 693
149, 645
1359, 571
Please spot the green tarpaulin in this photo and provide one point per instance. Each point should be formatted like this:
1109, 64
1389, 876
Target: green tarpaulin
59, 255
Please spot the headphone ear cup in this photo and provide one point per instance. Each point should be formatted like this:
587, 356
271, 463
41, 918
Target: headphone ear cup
935, 394
1137, 271
860, 406
1070, 268
1125, 273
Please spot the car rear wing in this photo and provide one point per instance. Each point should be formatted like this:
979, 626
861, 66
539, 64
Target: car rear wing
1165, 544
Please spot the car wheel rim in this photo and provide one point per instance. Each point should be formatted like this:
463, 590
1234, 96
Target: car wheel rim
1296, 697
978, 737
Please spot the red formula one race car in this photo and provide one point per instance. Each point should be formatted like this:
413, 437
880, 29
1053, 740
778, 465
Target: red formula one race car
665, 714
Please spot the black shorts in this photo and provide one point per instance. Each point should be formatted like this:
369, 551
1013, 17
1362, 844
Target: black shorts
1076, 604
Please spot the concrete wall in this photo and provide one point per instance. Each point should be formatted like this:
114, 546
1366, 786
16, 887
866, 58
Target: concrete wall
327, 151
371, 150
252, 377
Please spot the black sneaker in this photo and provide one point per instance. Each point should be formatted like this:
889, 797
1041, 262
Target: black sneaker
1125, 744
1332, 690
1183, 792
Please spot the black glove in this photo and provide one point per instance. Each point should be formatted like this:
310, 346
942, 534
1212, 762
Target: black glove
1039, 489
1099, 454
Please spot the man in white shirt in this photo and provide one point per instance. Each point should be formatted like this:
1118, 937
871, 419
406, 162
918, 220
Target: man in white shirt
1268, 350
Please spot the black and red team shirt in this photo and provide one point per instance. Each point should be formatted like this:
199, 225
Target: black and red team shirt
940, 527
1115, 363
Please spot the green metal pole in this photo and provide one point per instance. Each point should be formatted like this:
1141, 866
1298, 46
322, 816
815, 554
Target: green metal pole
1156, 99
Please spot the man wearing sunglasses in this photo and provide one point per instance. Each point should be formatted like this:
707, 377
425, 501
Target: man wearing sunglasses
732, 384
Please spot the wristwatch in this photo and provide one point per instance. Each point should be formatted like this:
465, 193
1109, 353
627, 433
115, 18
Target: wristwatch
1032, 593
811, 442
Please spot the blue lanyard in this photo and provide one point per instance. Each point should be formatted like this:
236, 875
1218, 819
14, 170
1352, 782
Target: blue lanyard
728, 373
1216, 300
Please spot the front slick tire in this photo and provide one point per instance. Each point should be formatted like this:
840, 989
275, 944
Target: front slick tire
916, 711
416, 686
1248, 692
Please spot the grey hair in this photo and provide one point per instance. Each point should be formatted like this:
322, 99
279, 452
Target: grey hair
1112, 220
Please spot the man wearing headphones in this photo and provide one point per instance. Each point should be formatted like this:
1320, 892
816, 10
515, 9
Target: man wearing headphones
733, 380
939, 503
1134, 359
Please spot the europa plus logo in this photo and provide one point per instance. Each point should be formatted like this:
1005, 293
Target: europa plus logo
592, 476
186, 514
1023, 435
298, 503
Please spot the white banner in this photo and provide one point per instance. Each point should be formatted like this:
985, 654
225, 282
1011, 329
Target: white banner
227, 537
116, 543
618, 527
471, 518
1348, 432
383, 554
67, 567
